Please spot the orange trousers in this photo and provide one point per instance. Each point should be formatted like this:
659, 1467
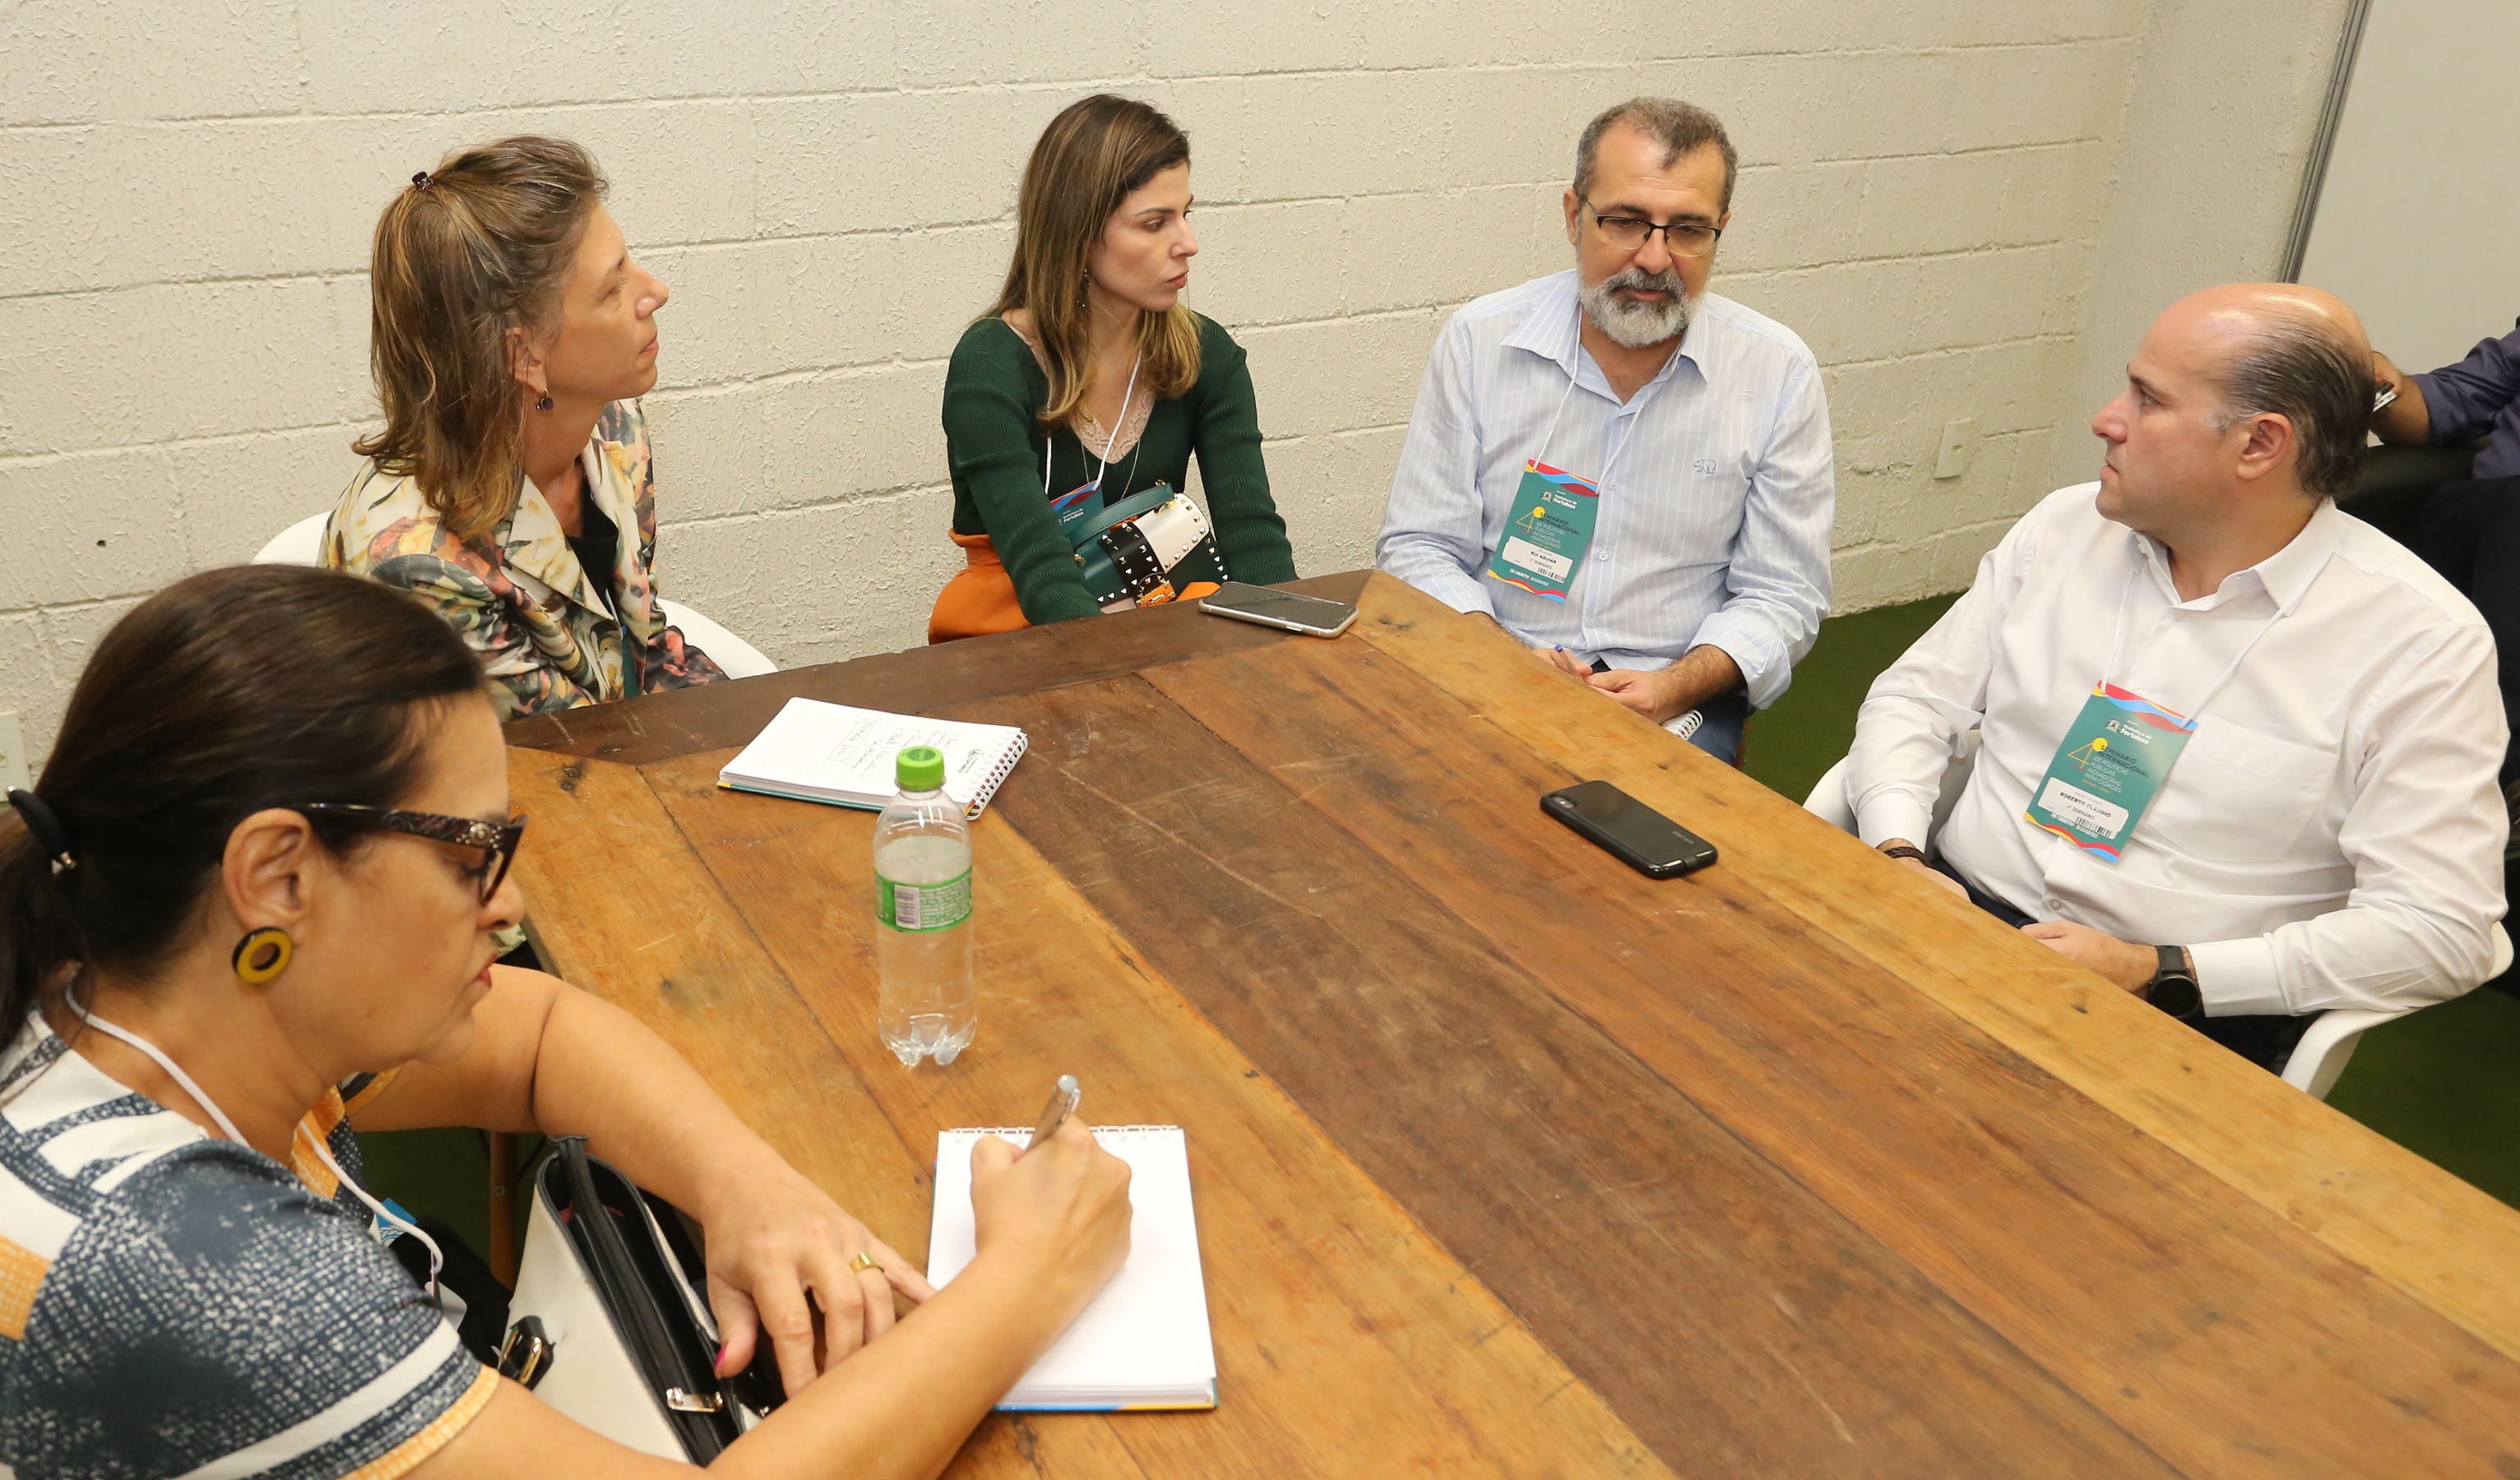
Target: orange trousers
979, 599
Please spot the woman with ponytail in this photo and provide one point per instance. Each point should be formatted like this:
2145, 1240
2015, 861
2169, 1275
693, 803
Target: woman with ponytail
250, 905
510, 487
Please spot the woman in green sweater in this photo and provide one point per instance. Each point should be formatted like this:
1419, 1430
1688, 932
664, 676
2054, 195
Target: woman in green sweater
1091, 380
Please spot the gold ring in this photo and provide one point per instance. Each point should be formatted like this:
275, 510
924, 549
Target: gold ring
862, 1261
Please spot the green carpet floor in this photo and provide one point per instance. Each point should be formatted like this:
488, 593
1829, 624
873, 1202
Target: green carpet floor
1793, 743
442, 1172
2440, 1083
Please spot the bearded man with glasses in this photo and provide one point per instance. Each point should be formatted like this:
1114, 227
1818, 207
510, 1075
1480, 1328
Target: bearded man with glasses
1629, 474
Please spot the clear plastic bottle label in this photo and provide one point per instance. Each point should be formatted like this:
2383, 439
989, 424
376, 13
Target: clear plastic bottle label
923, 907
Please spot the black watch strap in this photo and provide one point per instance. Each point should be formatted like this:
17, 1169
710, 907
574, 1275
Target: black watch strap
1903, 851
2173, 985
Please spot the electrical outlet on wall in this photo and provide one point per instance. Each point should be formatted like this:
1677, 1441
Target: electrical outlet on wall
1959, 441
13, 753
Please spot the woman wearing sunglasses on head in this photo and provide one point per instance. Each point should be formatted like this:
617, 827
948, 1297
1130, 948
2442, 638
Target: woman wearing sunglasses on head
266, 861
1091, 380
510, 487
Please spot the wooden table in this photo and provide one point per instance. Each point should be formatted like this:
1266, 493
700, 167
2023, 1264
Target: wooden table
1510, 1161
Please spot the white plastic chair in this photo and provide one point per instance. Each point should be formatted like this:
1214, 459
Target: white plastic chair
2326, 1048
302, 544
739, 658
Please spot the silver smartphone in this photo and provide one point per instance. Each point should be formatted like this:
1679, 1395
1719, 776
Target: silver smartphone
1271, 607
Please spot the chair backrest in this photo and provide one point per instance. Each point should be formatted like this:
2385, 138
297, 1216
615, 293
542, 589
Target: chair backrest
739, 658
1830, 800
2327, 1046
300, 543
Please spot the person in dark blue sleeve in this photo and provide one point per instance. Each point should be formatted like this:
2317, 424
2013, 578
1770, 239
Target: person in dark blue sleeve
2469, 529
2457, 404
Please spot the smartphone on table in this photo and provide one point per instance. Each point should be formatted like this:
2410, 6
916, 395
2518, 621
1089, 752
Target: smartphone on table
1313, 616
1628, 830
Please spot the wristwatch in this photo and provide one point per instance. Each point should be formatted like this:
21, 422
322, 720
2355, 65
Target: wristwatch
2173, 985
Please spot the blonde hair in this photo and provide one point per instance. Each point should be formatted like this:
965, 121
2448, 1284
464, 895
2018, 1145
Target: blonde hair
1086, 163
477, 247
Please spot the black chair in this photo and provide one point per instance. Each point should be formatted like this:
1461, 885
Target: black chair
2389, 492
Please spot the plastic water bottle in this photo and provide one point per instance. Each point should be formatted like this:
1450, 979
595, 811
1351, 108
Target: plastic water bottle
923, 912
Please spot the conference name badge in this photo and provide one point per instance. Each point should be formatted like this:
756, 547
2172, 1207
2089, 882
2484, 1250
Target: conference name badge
1548, 533
1077, 505
2112, 763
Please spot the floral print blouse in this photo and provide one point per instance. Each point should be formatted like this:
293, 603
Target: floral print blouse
547, 636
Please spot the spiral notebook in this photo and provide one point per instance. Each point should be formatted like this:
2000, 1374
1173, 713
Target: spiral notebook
1143, 1342
819, 753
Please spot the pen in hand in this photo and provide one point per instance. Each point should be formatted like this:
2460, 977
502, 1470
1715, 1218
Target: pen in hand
1062, 1103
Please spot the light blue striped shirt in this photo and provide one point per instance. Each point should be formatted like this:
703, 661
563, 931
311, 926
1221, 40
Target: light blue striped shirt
1718, 485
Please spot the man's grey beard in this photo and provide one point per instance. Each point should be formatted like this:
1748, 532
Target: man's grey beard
1631, 322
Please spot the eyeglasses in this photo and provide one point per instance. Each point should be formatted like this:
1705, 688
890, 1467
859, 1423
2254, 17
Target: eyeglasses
498, 844
1682, 238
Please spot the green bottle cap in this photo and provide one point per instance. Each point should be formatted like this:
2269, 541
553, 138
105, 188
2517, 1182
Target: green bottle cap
920, 768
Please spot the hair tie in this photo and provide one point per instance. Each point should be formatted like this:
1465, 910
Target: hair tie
421, 180
44, 826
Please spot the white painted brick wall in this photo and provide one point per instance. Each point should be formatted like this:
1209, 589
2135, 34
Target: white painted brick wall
186, 189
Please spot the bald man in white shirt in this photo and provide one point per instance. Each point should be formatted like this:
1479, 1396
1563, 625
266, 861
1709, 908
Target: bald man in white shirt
2300, 811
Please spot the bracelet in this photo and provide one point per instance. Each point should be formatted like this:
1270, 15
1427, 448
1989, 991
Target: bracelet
1903, 851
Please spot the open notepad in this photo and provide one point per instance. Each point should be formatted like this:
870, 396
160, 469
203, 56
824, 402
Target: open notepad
819, 753
1143, 1342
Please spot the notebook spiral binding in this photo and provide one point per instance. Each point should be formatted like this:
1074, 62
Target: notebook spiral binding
997, 778
1019, 1133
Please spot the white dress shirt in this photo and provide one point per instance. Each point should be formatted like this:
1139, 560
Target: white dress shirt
2332, 835
1717, 485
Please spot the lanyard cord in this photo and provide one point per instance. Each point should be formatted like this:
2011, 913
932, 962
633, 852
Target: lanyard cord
1109, 439
174, 1071
2117, 638
1550, 434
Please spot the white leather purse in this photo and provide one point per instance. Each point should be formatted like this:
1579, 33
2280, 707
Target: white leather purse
1146, 550
610, 1323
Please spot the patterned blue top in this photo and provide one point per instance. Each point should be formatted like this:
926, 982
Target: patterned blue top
172, 1305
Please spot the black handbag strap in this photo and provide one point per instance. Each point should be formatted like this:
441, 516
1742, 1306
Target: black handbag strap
633, 1306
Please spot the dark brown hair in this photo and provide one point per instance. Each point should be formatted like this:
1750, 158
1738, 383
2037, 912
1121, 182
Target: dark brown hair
228, 692
2302, 368
1086, 163
1680, 128
466, 251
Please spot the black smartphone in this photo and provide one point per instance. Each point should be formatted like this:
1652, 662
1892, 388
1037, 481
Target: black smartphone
1635, 833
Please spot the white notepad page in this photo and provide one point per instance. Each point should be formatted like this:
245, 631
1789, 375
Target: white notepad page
1143, 1342
835, 754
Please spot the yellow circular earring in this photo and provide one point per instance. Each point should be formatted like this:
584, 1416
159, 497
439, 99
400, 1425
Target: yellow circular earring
262, 955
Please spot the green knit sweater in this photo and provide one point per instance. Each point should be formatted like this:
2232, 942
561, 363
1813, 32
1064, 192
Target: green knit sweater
994, 389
